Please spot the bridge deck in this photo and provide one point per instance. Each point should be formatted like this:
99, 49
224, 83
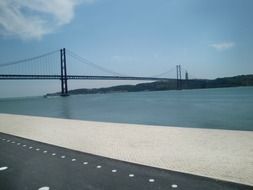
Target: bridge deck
77, 77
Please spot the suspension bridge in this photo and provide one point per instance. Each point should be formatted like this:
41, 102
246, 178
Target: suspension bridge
53, 66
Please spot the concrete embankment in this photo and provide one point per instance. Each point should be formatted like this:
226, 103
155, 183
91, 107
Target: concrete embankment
221, 154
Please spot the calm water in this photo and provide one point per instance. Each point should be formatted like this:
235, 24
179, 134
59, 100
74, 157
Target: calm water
227, 108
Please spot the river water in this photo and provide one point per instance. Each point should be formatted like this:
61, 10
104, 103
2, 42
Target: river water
224, 108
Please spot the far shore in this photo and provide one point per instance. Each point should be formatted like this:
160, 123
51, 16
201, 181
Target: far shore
169, 84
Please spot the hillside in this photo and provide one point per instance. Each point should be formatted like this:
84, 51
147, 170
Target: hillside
241, 80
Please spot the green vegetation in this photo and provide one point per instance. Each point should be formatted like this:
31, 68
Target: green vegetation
242, 80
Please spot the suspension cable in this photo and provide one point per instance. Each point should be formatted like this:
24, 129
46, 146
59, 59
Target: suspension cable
164, 73
88, 62
28, 59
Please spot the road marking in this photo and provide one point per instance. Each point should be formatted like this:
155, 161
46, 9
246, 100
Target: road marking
73, 160
44, 188
18, 144
3, 168
151, 180
174, 186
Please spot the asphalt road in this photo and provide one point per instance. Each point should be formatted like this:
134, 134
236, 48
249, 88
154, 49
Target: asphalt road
31, 165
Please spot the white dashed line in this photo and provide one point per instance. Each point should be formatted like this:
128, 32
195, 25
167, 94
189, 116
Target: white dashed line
3, 168
44, 188
73, 160
151, 180
174, 186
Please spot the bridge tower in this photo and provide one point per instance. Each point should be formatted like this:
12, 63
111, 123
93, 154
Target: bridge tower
179, 77
186, 75
64, 79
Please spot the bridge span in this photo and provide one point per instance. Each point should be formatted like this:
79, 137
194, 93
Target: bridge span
77, 77
24, 70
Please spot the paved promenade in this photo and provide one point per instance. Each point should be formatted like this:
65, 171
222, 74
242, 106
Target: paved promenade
220, 154
31, 165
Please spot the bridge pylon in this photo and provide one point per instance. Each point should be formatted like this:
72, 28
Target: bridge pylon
64, 78
179, 77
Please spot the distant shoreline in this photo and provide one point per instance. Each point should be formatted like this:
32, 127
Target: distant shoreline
236, 81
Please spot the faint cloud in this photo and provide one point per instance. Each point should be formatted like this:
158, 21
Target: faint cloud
32, 19
223, 46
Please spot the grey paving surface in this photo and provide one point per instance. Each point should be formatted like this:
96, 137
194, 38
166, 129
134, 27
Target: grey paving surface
31, 165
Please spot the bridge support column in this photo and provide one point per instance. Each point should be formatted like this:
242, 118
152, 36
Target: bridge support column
179, 78
64, 78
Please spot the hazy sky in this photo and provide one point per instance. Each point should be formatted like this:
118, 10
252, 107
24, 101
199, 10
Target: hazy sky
210, 38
